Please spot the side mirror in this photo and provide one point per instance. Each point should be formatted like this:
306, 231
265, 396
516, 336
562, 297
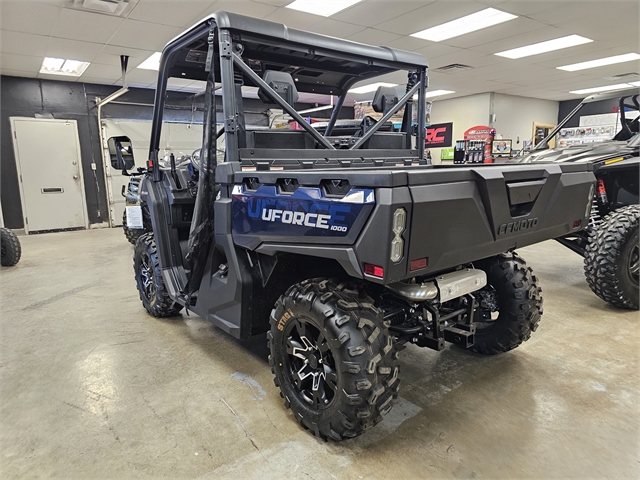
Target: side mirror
121, 153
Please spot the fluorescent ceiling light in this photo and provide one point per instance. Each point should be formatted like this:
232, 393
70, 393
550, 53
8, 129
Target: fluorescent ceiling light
607, 88
151, 63
325, 8
543, 47
476, 21
434, 93
371, 87
627, 57
60, 66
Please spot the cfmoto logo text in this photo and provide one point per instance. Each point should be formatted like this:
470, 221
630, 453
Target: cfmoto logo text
517, 226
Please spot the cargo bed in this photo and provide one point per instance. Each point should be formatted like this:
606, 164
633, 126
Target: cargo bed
455, 215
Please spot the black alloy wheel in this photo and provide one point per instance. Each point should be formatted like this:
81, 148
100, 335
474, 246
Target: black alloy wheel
311, 366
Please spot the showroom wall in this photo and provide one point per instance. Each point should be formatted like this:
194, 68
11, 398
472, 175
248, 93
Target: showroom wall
29, 97
514, 116
595, 108
464, 112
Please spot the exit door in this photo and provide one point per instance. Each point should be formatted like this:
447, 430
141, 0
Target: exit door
47, 155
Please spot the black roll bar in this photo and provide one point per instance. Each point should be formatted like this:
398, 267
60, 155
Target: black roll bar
387, 116
255, 78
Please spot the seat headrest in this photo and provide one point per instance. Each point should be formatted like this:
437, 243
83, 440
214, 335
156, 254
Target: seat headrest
282, 83
384, 99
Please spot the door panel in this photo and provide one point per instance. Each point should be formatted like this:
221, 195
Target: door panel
48, 159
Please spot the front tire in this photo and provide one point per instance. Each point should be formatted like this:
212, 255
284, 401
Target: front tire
611, 258
332, 358
153, 293
11, 249
510, 305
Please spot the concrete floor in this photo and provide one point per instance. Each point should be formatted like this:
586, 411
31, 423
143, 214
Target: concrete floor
91, 386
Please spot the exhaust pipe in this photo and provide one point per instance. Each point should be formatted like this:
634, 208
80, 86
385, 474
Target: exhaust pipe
444, 287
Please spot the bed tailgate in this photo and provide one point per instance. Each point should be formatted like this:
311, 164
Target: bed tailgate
459, 216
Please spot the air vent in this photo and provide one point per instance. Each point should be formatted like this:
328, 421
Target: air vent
453, 68
109, 7
623, 76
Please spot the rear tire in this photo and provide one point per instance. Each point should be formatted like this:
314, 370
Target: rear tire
153, 293
510, 305
332, 358
611, 258
10, 246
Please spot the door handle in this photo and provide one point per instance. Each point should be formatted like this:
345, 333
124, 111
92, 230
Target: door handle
76, 177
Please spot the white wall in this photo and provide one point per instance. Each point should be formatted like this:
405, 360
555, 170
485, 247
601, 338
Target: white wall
464, 112
514, 116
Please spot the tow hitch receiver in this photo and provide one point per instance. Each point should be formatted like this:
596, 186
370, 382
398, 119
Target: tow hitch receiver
455, 327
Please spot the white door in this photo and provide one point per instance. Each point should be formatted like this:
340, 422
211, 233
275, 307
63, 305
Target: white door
177, 138
47, 155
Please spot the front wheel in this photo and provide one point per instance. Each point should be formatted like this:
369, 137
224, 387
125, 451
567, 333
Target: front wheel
332, 358
153, 292
611, 261
510, 305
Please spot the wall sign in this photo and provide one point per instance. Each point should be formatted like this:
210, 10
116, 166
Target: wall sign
439, 135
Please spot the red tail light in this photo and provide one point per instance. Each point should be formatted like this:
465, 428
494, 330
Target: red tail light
373, 270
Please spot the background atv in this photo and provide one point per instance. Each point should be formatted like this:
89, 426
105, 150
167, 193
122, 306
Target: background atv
609, 244
342, 248
132, 199
9, 245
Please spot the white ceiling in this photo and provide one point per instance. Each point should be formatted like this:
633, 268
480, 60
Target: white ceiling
32, 29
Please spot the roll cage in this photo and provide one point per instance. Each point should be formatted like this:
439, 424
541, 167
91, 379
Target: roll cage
234, 50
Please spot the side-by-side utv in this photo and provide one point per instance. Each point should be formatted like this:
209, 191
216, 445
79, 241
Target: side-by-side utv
609, 243
342, 248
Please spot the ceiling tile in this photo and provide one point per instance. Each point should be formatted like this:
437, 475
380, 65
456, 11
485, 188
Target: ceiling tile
497, 33
59, 78
411, 44
79, 25
73, 49
138, 76
333, 28
435, 13
526, 38
372, 12
371, 36
16, 73
110, 55
28, 16
527, 7
21, 62
99, 80
144, 35
183, 13
436, 50
108, 72
275, 3
23, 43
293, 18
243, 7
559, 60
